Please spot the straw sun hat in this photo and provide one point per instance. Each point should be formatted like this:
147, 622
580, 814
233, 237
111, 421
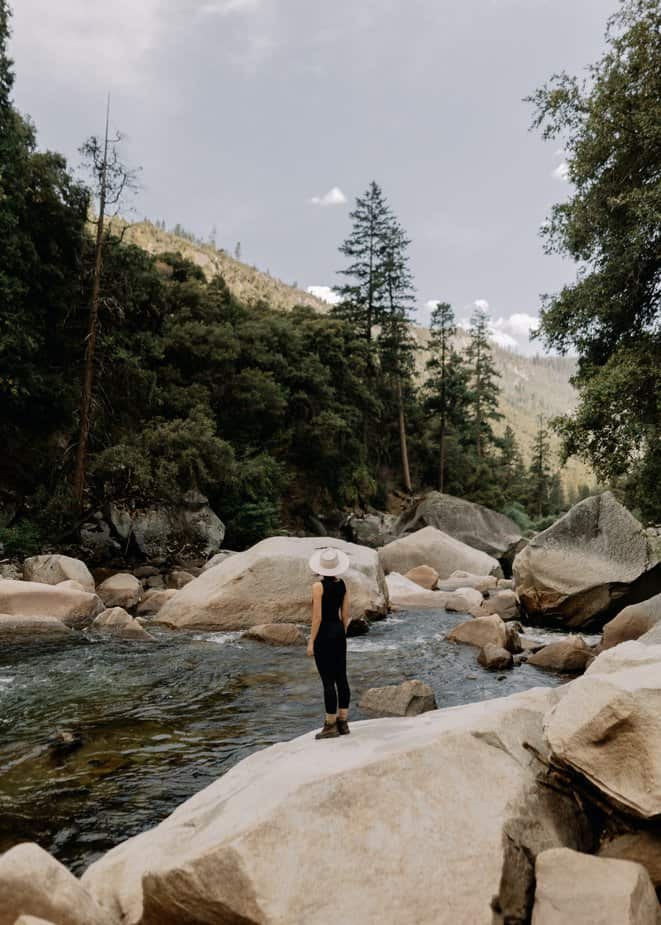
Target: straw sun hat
329, 561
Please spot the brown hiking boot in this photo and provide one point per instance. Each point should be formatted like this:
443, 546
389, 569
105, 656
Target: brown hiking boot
343, 727
330, 731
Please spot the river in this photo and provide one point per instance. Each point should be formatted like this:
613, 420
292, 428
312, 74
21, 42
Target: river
161, 720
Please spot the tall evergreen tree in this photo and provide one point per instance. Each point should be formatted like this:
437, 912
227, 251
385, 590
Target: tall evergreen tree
396, 345
539, 472
484, 385
446, 388
610, 128
512, 471
362, 298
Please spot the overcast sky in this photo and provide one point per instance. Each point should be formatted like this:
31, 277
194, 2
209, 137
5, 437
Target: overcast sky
266, 118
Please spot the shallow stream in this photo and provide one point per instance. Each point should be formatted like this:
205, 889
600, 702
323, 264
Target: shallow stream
161, 720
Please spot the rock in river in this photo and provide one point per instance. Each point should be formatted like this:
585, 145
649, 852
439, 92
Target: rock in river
277, 634
587, 566
385, 810
34, 599
19, 629
632, 622
117, 622
53, 569
272, 583
121, 590
442, 552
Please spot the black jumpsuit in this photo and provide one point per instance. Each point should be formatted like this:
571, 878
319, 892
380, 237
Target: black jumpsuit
330, 647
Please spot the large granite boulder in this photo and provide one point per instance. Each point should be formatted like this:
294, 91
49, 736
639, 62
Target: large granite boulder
385, 810
632, 622
372, 529
407, 699
460, 579
21, 629
472, 524
608, 729
51, 570
120, 590
117, 622
34, 599
32, 883
585, 890
161, 531
272, 582
405, 594
587, 566
442, 552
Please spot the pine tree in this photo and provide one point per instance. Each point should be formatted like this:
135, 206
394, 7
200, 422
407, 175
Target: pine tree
512, 470
447, 383
396, 345
539, 472
362, 299
484, 387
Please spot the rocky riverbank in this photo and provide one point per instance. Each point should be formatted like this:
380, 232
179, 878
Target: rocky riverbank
540, 807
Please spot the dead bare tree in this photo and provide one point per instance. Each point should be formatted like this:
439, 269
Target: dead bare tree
111, 179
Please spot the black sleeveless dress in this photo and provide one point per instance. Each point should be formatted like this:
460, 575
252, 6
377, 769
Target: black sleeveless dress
330, 646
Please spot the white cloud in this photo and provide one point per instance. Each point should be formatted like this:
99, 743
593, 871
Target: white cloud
519, 324
229, 7
505, 340
334, 197
482, 304
561, 172
325, 293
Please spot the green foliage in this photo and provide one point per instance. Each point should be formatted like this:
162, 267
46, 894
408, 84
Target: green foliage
516, 512
610, 126
23, 539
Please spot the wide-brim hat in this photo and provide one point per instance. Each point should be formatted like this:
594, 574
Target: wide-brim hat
329, 561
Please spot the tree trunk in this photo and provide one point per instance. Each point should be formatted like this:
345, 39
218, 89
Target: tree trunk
406, 473
441, 468
80, 477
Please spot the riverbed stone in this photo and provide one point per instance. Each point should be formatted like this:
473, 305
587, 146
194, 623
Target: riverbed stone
503, 602
442, 552
423, 575
272, 582
117, 622
464, 600
642, 847
435, 857
462, 579
588, 565
120, 590
53, 569
36, 599
178, 579
484, 630
277, 634
153, 601
20, 629
632, 622
571, 655
405, 594
495, 658
473, 524
607, 728
71, 584
587, 890
407, 699
33, 883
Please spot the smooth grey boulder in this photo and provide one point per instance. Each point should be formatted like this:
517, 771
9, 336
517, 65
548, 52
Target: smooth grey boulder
571, 655
373, 529
277, 634
117, 622
587, 566
35, 599
473, 524
442, 552
21, 629
632, 622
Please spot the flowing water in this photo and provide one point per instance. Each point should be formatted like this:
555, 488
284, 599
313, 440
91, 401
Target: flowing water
160, 720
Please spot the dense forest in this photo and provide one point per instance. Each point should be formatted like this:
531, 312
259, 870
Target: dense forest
276, 416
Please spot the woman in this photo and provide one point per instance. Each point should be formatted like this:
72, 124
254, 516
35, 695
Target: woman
328, 639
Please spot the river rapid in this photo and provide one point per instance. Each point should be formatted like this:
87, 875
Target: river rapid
158, 721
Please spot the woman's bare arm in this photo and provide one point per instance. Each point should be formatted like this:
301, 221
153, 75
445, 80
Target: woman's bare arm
346, 610
317, 592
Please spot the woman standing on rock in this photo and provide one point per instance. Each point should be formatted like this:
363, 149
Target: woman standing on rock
328, 639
